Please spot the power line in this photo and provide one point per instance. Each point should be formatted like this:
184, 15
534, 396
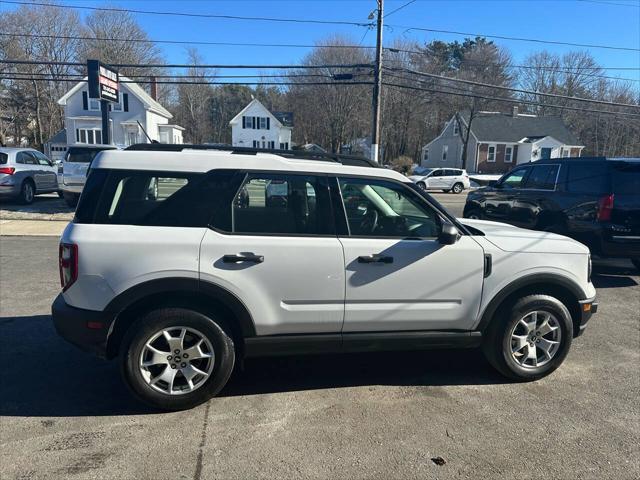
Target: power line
75, 76
400, 8
182, 65
193, 15
509, 100
174, 82
519, 39
611, 3
517, 90
183, 42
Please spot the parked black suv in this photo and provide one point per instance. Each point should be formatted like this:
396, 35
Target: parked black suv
595, 200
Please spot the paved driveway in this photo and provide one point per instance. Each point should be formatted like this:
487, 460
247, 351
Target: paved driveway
65, 414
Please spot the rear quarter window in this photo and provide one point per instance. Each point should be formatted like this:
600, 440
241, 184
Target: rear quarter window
4, 158
626, 179
591, 178
168, 199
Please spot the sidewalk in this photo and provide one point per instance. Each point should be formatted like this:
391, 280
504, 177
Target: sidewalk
32, 227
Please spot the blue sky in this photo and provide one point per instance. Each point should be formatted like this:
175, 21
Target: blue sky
608, 22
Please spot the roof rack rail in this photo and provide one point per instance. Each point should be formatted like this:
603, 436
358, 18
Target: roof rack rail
350, 160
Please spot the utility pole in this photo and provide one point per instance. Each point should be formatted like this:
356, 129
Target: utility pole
377, 87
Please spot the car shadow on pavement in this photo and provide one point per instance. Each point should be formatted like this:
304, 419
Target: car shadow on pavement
433, 368
614, 274
51, 378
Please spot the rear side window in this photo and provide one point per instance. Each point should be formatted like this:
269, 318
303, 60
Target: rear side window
4, 158
626, 179
543, 177
281, 204
168, 199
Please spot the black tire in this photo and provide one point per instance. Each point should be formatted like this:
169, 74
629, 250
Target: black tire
497, 343
475, 213
27, 192
636, 262
457, 188
422, 185
71, 199
165, 318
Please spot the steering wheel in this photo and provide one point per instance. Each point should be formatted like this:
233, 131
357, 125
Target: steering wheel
369, 221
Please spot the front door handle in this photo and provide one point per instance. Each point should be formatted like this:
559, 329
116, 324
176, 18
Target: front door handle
248, 257
375, 258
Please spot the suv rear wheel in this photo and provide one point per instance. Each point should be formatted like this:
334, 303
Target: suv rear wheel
175, 358
530, 339
457, 187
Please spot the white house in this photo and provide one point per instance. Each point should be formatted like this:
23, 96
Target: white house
258, 127
135, 111
499, 141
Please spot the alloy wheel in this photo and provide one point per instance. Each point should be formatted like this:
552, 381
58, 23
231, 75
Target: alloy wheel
535, 339
177, 360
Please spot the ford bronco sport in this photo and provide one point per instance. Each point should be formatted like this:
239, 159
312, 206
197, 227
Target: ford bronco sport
181, 260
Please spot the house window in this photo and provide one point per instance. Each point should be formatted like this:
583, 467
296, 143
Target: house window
445, 151
272, 145
94, 104
256, 144
491, 153
248, 122
425, 156
284, 145
565, 152
91, 136
508, 155
263, 123
456, 127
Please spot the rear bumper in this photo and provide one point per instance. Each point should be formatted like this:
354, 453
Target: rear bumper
588, 308
86, 329
8, 190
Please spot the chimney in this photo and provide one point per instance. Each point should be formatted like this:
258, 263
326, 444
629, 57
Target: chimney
154, 88
515, 111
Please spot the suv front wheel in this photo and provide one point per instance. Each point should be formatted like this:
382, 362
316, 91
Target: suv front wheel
174, 358
530, 339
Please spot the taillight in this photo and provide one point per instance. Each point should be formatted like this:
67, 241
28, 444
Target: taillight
68, 258
605, 207
7, 170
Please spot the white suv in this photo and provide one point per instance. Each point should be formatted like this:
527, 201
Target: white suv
453, 180
182, 260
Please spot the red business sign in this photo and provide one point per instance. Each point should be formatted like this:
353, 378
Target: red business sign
103, 81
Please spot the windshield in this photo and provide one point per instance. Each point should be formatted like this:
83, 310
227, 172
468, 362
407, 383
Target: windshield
422, 171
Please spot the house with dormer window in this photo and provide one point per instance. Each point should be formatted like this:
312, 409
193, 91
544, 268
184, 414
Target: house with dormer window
135, 118
258, 127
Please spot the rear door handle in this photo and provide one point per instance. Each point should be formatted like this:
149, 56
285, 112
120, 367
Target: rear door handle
249, 257
375, 258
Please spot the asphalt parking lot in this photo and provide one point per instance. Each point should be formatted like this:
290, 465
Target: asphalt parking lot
65, 414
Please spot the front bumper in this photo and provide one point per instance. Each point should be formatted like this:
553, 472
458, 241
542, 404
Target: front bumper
86, 329
588, 307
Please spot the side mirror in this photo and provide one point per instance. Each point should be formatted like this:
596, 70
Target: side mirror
449, 234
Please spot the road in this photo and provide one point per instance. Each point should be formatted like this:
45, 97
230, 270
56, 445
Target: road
65, 414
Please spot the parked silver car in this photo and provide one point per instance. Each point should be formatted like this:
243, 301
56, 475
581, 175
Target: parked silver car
72, 171
24, 173
446, 179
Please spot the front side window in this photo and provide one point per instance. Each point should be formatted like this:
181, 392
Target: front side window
280, 204
379, 208
542, 177
26, 158
491, 153
514, 179
42, 159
